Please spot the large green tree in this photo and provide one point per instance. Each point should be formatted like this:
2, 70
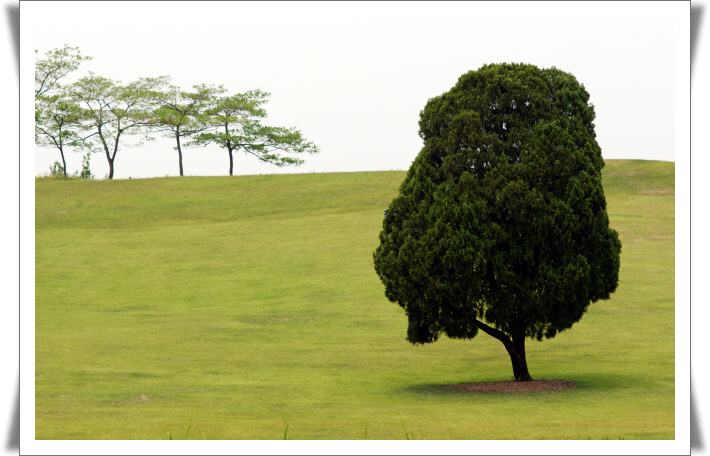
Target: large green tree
501, 224
110, 111
181, 114
237, 126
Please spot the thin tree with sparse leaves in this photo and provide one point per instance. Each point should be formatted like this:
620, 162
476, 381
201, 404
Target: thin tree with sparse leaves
237, 124
111, 111
57, 122
181, 115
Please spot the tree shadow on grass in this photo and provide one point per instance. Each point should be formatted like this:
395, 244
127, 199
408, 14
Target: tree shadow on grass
581, 384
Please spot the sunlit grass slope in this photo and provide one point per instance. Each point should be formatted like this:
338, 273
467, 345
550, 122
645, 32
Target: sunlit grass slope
242, 303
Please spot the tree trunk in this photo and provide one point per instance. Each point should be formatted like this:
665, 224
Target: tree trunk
108, 154
229, 148
515, 348
64, 163
231, 161
517, 357
115, 149
179, 152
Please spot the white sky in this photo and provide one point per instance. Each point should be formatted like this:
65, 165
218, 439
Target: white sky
353, 77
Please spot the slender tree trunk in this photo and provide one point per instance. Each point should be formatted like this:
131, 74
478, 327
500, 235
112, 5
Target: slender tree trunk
64, 163
60, 146
111, 158
229, 148
231, 161
108, 154
515, 348
179, 151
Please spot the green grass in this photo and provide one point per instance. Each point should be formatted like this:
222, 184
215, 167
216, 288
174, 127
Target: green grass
248, 308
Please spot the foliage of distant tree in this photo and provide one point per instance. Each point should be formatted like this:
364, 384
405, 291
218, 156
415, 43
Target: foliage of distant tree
57, 120
110, 110
181, 115
501, 223
56, 117
57, 64
237, 126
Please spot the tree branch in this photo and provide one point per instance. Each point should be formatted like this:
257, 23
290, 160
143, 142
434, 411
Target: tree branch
498, 334
258, 156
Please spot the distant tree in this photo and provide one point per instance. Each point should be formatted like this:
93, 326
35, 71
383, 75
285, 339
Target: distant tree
110, 111
181, 114
57, 120
55, 115
57, 64
236, 120
501, 222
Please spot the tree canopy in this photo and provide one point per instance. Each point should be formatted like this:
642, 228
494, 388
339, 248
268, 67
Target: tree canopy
501, 223
237, 122
57, 118
181, 114
57, 64
110, 110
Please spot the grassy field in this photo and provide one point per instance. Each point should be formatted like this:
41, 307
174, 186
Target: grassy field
240, 305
